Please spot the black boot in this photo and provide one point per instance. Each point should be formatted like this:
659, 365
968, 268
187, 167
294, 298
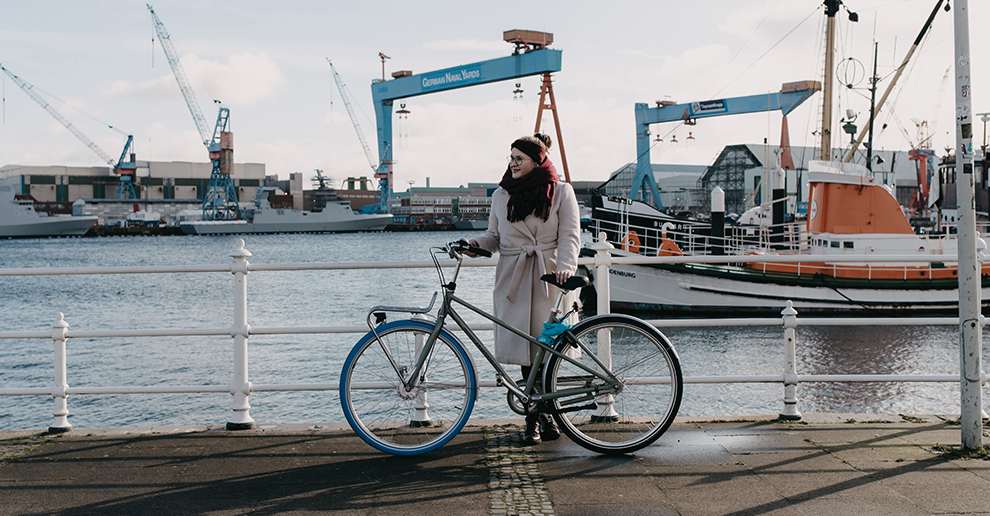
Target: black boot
532, 434
548, 428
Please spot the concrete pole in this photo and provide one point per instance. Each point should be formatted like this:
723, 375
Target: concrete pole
240, 387
970, 345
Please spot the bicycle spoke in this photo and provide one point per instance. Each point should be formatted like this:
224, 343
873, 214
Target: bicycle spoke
396, 420
641, 411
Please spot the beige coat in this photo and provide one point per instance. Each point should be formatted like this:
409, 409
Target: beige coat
528, 249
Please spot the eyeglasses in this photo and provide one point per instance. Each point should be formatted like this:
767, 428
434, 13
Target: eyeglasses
518, 160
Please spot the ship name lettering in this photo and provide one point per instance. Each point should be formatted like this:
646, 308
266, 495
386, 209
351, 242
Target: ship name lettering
622, 273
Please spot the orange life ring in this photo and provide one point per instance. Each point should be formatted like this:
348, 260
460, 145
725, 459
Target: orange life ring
631, 242
669, 248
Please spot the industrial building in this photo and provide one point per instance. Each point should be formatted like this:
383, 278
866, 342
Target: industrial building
161, 187
443, 205
743, 172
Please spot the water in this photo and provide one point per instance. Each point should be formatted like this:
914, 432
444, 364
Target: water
307, 298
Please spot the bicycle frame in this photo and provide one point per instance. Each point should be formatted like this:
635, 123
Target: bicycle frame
527, 394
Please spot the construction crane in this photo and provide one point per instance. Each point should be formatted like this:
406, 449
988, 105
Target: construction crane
341, 87
124, 169
220, 198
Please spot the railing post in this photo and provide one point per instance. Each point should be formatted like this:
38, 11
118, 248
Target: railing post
603, 260
790, 412
60, 387
240, 387
421, 405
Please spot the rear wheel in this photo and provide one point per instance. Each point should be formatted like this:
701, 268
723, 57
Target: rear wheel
399, 421
645, 404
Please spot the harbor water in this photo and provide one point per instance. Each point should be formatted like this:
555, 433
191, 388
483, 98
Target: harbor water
342, 298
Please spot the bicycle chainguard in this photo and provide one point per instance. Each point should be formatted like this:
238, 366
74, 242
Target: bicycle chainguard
547, 408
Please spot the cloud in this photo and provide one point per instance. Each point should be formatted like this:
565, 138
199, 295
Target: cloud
245, 79
464, 44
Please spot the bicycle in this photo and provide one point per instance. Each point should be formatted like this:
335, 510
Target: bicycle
612, 382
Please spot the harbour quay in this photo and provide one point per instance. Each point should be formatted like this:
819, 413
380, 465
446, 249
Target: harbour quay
825, 464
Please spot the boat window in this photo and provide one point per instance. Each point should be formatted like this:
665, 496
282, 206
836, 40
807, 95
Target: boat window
834, 244
847, 245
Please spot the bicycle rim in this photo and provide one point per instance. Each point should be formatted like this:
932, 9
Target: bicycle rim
636, 416
391, 419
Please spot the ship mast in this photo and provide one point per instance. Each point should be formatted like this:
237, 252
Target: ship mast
831, 9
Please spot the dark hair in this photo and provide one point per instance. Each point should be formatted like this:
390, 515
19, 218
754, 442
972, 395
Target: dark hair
540, 139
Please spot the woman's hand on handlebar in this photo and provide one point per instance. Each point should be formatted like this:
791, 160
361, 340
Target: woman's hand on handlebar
473, 243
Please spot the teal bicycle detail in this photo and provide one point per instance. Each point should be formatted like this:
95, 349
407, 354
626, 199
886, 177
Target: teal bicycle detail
612, 382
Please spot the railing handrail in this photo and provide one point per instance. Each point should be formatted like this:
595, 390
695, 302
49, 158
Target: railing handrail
481, 262
241, 388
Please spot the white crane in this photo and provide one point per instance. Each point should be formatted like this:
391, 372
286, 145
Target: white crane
341, 87
123, 167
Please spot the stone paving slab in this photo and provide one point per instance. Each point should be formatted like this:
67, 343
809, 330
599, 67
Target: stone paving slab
824, 465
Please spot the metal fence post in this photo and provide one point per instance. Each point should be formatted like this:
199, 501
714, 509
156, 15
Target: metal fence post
790, 412
240, 387
603, 260
421, 405
60, 387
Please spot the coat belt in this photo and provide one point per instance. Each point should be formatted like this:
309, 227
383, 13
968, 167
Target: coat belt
528, 253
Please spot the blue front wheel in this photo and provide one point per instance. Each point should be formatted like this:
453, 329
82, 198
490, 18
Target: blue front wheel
399, 421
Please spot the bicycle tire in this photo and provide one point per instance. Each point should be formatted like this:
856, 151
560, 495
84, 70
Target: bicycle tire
648, 366
394, 421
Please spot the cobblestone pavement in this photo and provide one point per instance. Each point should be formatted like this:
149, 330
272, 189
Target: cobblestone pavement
515, 483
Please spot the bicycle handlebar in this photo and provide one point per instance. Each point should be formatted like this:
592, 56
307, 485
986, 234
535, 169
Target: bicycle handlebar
462, 245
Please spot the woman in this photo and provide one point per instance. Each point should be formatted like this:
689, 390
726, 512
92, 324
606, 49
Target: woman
535, 227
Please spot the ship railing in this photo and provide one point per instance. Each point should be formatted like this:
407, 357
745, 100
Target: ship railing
695, 239
240, 331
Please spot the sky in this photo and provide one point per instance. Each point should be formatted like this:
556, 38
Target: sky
99, 63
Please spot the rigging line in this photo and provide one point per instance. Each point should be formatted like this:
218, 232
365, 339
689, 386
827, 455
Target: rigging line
657, 142
36, 88
767, 52
819, 56
743, 45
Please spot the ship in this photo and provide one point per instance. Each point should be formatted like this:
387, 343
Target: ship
19, 219
328, 215
851, 215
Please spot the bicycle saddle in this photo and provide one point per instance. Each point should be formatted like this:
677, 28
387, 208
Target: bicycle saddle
574, 282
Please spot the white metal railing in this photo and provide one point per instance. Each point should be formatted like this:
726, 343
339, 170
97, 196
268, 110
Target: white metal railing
240, 386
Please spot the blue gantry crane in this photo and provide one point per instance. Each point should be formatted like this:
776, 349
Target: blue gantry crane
531, 57
644, 188
124, 167
220, 198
